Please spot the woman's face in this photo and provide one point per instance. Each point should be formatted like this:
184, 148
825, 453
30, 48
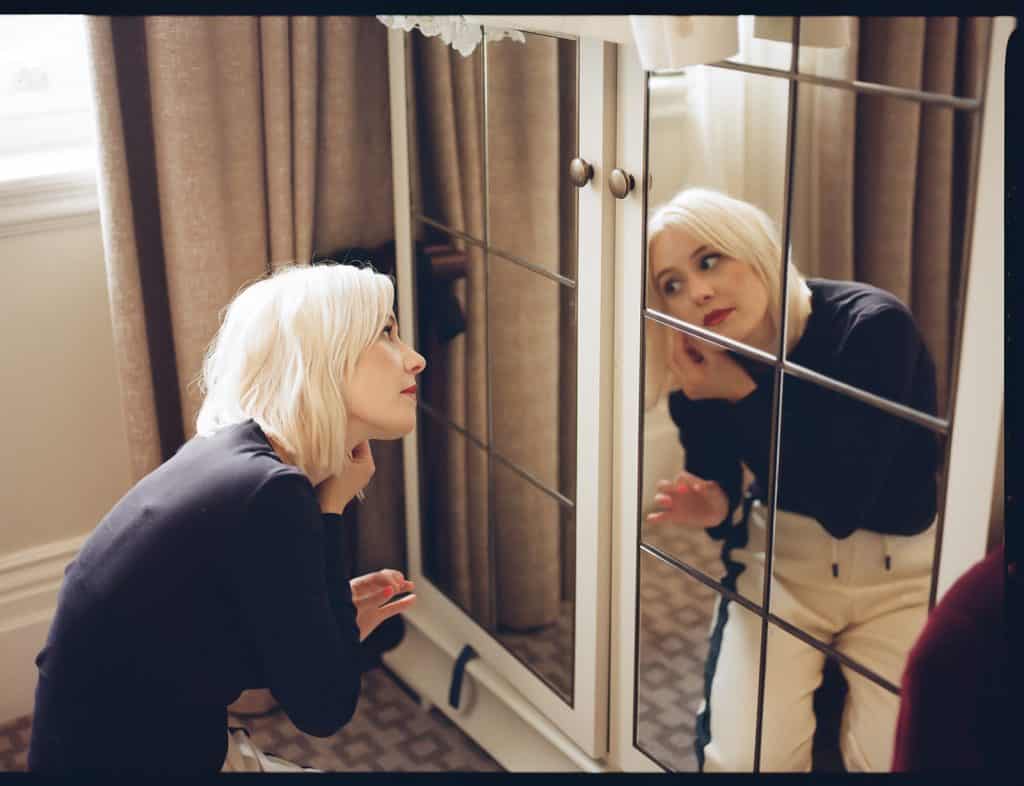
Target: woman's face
382, 390
702, 286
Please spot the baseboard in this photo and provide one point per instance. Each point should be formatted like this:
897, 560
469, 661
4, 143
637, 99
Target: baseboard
29, 581
490, 711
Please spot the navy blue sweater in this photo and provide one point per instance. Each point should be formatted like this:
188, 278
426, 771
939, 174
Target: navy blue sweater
847, 464
216, 573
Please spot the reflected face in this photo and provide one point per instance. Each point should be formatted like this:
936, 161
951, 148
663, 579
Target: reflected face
382, 391
705, 287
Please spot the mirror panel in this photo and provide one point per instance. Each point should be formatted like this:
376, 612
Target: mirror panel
450, 308
532, 137
455, 534
880, 189
820, 715
532, 346
711, 440
446, 134
535, 539
682, 631
698, 140
936, 54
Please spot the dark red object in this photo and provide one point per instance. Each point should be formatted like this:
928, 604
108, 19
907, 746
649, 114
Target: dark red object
954, 705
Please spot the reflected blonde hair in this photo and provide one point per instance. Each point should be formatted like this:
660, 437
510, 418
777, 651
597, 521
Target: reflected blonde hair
737, 229
284, 353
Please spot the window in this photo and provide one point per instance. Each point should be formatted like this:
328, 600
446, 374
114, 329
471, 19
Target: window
47, 136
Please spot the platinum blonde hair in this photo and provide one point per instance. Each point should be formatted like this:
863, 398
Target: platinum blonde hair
739, 230
284, 353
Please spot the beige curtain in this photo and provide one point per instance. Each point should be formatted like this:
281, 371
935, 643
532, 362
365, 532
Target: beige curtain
502, 549
881, 187
229, 145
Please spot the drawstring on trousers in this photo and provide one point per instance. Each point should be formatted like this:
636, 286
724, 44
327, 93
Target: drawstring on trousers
835, 555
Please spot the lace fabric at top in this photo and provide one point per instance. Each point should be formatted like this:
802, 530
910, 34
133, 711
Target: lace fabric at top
454, 30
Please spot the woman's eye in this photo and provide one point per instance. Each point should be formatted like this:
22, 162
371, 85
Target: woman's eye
672, 286
389, 331
708, 261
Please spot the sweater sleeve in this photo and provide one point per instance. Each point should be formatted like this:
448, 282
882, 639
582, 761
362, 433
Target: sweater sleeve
300, 616
712, 453
338, 564
839, 453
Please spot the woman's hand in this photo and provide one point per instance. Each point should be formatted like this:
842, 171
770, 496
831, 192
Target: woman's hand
690, 502
705, 372
338, 490
372, 591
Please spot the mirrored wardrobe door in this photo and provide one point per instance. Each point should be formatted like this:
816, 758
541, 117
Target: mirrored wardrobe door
496, 449
499, 333
844, 501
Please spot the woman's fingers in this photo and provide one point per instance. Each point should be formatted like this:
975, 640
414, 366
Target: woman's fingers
365, 586
400, 605
376, 597
664, 501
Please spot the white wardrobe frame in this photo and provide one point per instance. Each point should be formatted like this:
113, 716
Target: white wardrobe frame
506, 708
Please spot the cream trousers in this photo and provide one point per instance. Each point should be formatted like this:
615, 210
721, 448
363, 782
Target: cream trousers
244, 756
868, 612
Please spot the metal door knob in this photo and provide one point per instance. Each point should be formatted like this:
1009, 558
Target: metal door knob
620, 183
580, 172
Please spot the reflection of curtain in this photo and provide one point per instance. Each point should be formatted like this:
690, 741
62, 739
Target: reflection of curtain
223, 151
739, 124
882, 197
516, 579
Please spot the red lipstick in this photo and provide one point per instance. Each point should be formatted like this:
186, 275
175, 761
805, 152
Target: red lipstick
410, 391
716, 316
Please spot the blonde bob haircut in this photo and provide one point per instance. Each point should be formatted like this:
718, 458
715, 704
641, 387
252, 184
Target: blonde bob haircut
284, 353
736, 229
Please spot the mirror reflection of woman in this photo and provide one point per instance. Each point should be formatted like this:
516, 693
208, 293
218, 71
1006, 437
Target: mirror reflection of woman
854, 533
224, 568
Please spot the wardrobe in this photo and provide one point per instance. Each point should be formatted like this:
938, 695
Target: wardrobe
555, 626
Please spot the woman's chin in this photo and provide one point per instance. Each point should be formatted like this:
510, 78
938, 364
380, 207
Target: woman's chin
396, 431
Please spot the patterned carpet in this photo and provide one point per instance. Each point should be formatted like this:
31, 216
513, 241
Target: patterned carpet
390, 732
675, 619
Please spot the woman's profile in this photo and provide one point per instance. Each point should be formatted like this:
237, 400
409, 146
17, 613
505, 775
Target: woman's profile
857, 487
222, 569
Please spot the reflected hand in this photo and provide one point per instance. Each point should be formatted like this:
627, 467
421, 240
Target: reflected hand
690, 502
338, 490
371, 591
704, 371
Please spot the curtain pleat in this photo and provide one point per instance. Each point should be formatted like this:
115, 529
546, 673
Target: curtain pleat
882, 182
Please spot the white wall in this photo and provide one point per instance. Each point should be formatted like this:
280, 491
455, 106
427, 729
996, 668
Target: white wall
63, 454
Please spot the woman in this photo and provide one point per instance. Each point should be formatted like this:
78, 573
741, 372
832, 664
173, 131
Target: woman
853, 538
222, 569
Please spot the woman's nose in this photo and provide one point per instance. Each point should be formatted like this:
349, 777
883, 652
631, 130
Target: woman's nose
701, 293
416, 362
